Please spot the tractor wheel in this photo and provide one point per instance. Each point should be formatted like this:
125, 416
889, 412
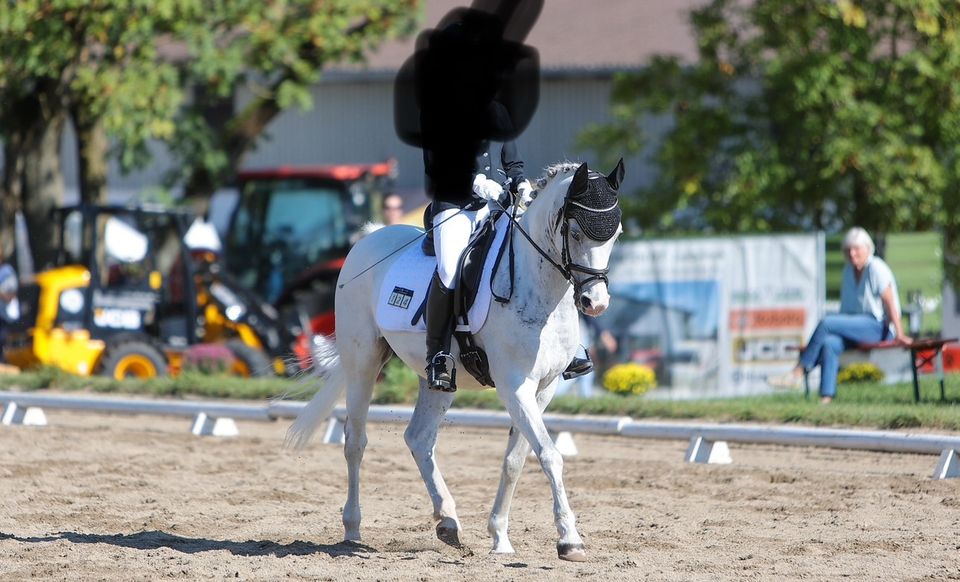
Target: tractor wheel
133, 359
250, 361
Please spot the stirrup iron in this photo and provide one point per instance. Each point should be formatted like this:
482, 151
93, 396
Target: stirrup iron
578, 367
438, 376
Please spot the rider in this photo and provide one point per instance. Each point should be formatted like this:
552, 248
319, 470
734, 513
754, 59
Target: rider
454, 213
448, 103
453, 222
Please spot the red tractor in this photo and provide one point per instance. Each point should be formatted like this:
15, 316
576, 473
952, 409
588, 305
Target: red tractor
290, 231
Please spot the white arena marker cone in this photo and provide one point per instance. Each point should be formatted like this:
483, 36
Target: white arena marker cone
204, 425
13, 414
565, 444
334, 434
702, 450
949, 465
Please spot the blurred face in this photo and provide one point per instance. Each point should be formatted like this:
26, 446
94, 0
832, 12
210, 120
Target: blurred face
392, 210
857, 255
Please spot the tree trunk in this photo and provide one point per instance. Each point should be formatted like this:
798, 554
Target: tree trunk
951, 237
11, 193
91, 156
43, 187
863, 213
32, 174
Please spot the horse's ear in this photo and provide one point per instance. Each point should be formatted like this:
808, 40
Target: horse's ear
579, 183
616, 176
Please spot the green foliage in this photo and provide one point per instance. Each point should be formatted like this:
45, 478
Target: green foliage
101, 57
629, 378
272, 52
128, 67
860, 372
802, 115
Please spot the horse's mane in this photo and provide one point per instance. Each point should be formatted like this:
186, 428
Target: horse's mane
552, 171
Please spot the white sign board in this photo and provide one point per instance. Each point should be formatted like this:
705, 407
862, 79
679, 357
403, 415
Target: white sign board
716, 316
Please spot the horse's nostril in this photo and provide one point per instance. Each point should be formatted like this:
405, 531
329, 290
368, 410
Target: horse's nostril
585, 302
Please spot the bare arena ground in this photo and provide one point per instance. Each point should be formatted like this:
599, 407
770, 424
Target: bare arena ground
101, 497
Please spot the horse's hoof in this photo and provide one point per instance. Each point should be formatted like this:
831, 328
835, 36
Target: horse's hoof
502, 545
572, 552
449, 536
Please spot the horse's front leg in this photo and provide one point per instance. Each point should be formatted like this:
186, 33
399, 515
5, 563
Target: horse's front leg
521, 402
421, 438
513, 461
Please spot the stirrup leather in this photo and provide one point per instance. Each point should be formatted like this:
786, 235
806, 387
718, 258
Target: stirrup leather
438, 376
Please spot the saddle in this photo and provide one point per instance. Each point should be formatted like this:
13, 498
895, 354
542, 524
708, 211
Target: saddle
469, 274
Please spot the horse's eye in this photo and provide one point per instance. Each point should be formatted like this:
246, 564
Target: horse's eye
575, 235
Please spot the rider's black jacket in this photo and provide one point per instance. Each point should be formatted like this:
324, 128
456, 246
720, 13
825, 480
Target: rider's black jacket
450, 172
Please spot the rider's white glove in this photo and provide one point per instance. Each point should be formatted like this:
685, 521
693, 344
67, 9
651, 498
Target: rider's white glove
486, 188
525, 192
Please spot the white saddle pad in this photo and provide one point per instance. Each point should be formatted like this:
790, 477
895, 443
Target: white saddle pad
408, 279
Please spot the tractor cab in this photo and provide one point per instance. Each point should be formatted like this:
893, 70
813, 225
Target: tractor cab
291, 228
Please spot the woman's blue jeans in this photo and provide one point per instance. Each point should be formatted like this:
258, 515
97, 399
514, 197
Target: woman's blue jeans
834, 334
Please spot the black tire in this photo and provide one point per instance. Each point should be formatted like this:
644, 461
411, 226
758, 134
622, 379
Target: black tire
133, 359
253, 362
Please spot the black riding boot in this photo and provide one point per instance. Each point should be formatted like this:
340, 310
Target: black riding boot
578, 367
440, 325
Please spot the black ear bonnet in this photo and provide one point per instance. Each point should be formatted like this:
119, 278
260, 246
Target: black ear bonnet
594, 207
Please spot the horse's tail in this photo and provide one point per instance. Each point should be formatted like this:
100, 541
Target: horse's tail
326, 361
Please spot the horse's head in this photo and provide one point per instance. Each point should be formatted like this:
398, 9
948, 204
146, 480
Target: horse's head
584, 225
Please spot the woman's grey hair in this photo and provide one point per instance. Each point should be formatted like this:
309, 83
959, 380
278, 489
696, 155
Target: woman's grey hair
857, 236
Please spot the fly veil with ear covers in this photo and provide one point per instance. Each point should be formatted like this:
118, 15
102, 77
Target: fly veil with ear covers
595, 207
592, 201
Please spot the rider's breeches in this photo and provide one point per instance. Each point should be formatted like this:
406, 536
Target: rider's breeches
450, 238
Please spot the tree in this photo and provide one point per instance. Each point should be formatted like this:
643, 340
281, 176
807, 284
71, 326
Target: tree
801, 115
109, 67
277, 51
96, 64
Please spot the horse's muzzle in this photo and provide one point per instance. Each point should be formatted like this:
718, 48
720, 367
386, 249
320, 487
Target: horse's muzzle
594, 300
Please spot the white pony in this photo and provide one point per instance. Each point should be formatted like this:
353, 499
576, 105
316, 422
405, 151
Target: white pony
529, 342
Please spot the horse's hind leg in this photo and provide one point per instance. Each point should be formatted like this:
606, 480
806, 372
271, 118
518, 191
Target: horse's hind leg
513, 461
362, 362
421, 438
521, 402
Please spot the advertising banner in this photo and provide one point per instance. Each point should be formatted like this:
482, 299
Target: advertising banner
715, 316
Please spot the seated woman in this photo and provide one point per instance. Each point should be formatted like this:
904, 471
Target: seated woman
869, 313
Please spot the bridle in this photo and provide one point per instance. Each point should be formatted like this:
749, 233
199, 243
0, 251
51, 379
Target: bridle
566, 267
566, 261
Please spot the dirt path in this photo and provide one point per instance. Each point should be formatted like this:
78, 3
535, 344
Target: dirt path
99, 497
